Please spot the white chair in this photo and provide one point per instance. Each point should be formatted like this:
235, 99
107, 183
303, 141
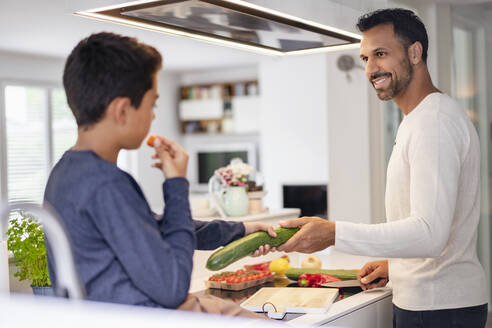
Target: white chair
67, 280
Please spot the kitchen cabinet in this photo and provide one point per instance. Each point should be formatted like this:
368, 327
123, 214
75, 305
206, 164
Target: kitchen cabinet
377, 313
227, 108
363, 310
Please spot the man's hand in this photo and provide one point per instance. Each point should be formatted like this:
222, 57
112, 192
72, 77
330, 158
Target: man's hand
315, 235
174, 159
250, 227
373, 274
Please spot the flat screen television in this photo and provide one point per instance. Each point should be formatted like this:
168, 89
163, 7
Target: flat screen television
206, 158
311, 199
209, 161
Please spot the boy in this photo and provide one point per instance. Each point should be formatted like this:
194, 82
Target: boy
122, 253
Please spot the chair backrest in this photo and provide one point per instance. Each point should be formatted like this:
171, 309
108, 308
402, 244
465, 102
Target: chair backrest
67, 280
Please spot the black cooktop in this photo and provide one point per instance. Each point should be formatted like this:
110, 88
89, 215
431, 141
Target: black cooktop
242, 295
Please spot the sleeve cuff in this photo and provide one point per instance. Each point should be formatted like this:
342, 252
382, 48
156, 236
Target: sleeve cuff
175, 186
339, 235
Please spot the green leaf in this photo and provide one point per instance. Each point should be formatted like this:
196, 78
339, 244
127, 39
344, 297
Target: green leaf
26, 241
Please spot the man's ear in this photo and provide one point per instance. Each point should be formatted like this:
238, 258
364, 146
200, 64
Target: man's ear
415, 52
118, 110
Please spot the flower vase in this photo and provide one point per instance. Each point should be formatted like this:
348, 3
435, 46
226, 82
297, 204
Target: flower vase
235, 201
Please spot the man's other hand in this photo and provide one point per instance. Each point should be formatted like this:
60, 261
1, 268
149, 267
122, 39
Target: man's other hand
373, 274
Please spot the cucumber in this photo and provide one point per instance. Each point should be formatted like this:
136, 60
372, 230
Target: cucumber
245, 246
294, 273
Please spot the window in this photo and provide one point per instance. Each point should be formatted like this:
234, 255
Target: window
64, 127
37, 128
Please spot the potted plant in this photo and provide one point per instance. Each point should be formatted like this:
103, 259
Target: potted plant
26, 242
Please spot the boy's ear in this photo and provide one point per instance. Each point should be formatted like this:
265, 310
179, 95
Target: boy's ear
118, 110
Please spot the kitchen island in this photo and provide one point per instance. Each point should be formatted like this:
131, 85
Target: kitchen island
362, 309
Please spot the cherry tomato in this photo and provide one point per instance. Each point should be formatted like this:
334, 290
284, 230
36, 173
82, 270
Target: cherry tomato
151, 139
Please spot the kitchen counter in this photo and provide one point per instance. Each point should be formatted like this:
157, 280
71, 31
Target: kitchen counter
363, 309
267, 216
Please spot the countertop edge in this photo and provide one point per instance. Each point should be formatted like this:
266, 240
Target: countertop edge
342, 307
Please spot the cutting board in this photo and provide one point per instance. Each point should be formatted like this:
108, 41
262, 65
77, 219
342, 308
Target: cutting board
279, 301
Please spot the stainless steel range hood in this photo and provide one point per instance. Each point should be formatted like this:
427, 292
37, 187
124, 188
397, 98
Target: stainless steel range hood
234, 23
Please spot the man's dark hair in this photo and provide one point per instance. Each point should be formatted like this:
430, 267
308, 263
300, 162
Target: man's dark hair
407, 26
105, 66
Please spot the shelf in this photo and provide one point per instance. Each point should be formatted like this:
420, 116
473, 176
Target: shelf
225, 108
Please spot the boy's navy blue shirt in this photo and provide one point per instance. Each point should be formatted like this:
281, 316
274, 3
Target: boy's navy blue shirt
123, 254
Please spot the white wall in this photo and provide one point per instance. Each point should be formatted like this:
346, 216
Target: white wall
230, 74
293, 123
316, 128
437, 20
165, 124
20, 67
348, 135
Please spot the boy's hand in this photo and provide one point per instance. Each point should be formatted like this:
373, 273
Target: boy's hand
174, 159
250, 227
373, 274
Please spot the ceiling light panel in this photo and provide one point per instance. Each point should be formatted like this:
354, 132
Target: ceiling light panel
233, 23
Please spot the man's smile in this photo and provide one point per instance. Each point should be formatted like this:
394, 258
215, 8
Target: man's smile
381, 81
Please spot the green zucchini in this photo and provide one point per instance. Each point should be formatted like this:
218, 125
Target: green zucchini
246, 245
294, 273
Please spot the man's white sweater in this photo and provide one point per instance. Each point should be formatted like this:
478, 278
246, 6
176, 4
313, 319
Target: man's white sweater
432, 210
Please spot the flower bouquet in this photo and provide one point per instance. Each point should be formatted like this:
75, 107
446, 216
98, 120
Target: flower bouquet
235, 174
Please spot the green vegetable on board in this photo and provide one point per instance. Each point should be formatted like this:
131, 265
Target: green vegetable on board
295, 273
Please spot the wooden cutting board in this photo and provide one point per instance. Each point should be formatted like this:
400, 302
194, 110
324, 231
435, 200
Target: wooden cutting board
279, 301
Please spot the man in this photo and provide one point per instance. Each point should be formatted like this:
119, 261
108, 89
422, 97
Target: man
432, 192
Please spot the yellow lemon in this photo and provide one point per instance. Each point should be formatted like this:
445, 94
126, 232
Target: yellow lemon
279, 266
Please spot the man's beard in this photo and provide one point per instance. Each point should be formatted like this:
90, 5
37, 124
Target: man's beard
397, 85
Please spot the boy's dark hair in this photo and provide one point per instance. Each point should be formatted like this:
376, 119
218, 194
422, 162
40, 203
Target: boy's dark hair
406, 25
105, 66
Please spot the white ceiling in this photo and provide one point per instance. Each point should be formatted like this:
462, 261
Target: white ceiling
44, 27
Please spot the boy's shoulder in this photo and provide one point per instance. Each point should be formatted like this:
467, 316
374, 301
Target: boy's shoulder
79, 173
87, 164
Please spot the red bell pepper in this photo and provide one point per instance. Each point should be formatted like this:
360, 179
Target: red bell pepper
264, 266
315, 279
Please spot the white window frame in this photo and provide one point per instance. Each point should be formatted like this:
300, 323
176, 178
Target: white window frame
47, 87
